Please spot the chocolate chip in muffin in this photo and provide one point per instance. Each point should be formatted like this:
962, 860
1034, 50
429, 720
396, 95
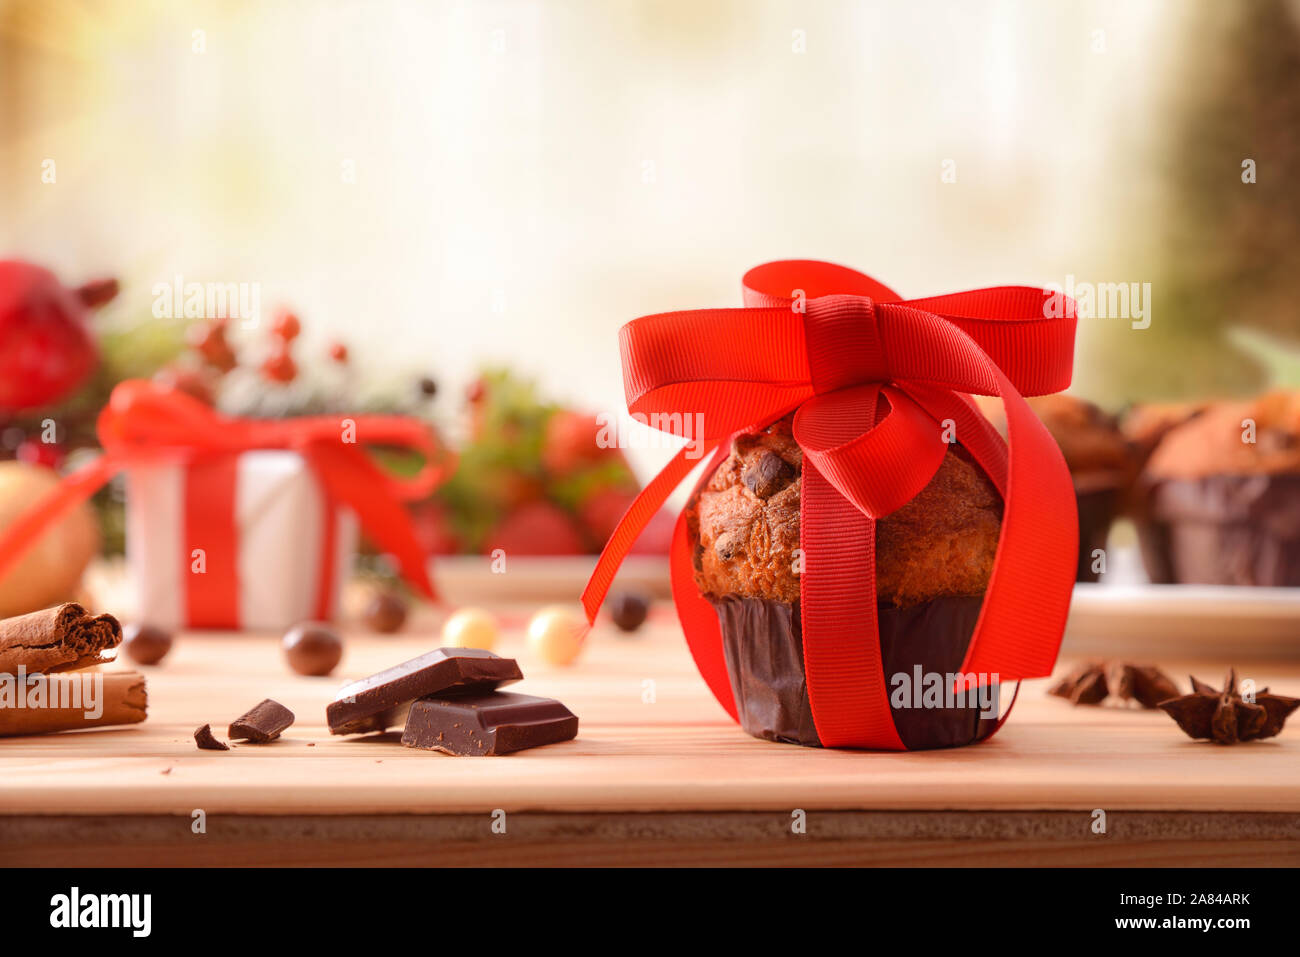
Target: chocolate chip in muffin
768, 475
726, 545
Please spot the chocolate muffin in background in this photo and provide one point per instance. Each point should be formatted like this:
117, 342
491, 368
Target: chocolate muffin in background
934, 557
1221, 509
1101, 459
1146, 424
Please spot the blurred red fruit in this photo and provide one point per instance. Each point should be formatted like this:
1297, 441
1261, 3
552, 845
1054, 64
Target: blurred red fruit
46, 351
601, 512
338, 352
539, 528
279, 366
571, 442
432, 529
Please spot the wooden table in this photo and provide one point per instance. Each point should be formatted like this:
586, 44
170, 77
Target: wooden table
657, 775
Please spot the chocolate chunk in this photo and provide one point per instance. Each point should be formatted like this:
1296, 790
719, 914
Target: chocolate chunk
493, 723
146, 644
768, 475
312, 649
262, 723
206, 742
726, 545
376, 703
628, 610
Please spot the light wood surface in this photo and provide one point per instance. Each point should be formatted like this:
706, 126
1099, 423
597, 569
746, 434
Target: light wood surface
669, 758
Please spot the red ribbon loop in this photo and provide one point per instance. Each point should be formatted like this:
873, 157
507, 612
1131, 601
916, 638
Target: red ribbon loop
879, 387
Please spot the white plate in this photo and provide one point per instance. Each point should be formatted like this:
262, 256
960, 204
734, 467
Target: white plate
463, 579
1214, 621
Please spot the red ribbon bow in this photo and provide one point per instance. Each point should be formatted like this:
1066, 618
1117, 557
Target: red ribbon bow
874, 380
146, 421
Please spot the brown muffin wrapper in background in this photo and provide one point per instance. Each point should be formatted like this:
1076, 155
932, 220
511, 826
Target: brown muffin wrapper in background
1097, 510
56, 639
1223, 530
763, 643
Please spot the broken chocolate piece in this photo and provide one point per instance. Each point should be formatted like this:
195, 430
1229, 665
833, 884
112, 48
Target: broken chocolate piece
1225, 716
494, 723
376, 703
206, 742
262, 723
56, 639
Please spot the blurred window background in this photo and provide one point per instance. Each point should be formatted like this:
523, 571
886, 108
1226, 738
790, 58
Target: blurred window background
459, 183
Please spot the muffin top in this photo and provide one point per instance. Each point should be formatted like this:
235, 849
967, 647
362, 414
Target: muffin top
745, 526
1218, 441
1145, 425
1097, 453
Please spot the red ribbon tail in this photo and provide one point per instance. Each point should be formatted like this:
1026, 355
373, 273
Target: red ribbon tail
351, 478
638, 514
50, 507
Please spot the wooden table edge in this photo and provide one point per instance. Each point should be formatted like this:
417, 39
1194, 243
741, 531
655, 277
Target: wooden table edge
657, 839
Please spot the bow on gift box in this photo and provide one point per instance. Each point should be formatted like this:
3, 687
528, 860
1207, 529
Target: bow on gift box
147, 422
879, 384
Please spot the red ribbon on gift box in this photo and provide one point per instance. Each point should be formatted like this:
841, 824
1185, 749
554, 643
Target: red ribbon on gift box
149, 422
873, 378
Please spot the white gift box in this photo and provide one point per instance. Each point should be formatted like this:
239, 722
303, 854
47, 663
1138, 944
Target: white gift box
240, 541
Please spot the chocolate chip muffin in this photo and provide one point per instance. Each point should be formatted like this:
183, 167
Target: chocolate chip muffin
1102, 462
1222, 494
934, 557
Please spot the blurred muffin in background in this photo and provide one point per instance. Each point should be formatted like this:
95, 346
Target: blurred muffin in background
1102, 461
1221, 496
1145, 424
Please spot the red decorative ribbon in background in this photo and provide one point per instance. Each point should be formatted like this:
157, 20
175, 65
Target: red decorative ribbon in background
872, 378
146, 422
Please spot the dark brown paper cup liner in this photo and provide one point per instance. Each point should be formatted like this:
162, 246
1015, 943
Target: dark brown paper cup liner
763, 643
1097, 509
1223, 530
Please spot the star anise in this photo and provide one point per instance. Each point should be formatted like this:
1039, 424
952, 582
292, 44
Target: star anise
1225, 716
1092, 683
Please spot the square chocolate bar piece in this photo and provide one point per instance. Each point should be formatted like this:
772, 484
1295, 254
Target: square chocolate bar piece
376, 703
494, 723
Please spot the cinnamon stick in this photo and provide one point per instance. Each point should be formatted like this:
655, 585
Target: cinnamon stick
41, 703
56, 639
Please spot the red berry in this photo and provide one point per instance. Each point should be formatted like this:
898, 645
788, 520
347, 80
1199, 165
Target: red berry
338, 352
286, 325
208, 339
97, 292
34, 452
279, 366
538, 528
